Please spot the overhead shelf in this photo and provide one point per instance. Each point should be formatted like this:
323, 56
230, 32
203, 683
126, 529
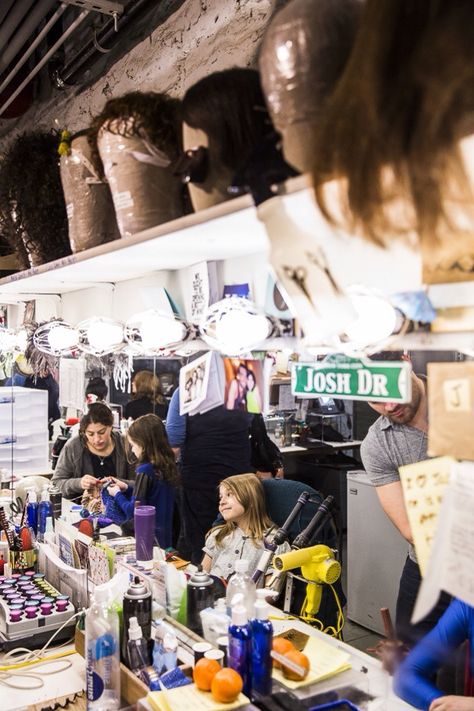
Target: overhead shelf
224, 231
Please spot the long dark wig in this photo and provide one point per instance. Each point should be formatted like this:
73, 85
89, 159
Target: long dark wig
230, 108
403, 102
32, 209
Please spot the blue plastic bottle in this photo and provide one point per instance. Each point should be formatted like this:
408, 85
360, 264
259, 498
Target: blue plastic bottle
238, 654
32, 511
45, 515
262, 638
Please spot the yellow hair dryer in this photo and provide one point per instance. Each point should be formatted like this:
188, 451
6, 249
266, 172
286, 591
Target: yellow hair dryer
318, 566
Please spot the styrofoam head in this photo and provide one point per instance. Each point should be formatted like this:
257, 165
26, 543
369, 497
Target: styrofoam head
303, 54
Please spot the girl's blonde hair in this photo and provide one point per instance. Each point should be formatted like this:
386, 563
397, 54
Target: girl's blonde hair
248, 491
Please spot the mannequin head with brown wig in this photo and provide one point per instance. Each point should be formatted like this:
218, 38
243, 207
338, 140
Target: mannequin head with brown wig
224, 113
392, 127
303, 53
137, 137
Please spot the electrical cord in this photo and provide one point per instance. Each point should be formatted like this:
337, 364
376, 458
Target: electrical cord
31, 657
330, 630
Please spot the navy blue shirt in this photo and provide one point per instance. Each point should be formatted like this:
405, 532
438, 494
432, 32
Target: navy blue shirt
159, 494
213, 445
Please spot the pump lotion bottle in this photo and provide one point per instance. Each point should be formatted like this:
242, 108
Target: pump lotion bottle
238, 654
262, 638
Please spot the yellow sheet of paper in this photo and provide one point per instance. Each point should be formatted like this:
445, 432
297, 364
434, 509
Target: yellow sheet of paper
189, 696
423, 485
325, 660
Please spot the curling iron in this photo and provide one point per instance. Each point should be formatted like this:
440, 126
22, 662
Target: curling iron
316, 523
279, 537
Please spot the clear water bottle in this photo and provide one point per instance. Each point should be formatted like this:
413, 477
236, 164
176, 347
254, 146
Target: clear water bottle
103, 654
240, 589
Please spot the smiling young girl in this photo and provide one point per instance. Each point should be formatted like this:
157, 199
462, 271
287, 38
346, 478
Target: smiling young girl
156, 478
246, 523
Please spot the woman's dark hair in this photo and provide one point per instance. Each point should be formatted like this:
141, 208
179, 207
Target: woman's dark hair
147, 385
32, 208
98, 414
392, 126
153, 115
149, 433
97, 386
230, 108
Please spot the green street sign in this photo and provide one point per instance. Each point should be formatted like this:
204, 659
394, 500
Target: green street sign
353, 379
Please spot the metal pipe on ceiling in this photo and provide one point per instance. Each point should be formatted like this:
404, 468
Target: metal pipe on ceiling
67, 76
5, 6
44, 59
13, 19
27, 29
52, 20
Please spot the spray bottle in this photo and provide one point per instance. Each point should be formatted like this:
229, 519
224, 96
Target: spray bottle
262, 637
137, 652
238, 654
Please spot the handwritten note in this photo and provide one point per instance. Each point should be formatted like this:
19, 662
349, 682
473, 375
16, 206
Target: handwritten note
450, 567
423, 485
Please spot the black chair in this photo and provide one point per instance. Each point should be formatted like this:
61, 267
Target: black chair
281, 496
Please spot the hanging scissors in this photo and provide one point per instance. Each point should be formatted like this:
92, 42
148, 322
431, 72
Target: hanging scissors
298, 276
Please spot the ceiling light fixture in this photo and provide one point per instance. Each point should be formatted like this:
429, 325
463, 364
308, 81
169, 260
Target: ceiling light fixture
56, 338
100, 336
377, 320
153, 331
234, 326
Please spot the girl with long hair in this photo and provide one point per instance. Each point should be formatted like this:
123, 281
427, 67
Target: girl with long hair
156, 478
246, 523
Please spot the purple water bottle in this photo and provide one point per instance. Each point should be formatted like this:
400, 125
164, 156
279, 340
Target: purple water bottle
144, 533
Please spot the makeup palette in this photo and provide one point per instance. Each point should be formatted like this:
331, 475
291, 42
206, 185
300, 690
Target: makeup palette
29, 603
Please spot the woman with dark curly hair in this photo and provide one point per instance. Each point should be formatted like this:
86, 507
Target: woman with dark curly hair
97, 453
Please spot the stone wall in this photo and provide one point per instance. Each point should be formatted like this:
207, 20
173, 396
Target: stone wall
201, 37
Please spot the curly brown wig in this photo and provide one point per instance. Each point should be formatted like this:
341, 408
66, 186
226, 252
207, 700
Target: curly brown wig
154, 115
32, 209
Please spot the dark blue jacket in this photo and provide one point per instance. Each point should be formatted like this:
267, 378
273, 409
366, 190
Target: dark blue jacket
158, 494
414, 678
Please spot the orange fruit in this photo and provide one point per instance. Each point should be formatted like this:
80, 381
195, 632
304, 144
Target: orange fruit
226, 686
299, 658
282, 646
204, 672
